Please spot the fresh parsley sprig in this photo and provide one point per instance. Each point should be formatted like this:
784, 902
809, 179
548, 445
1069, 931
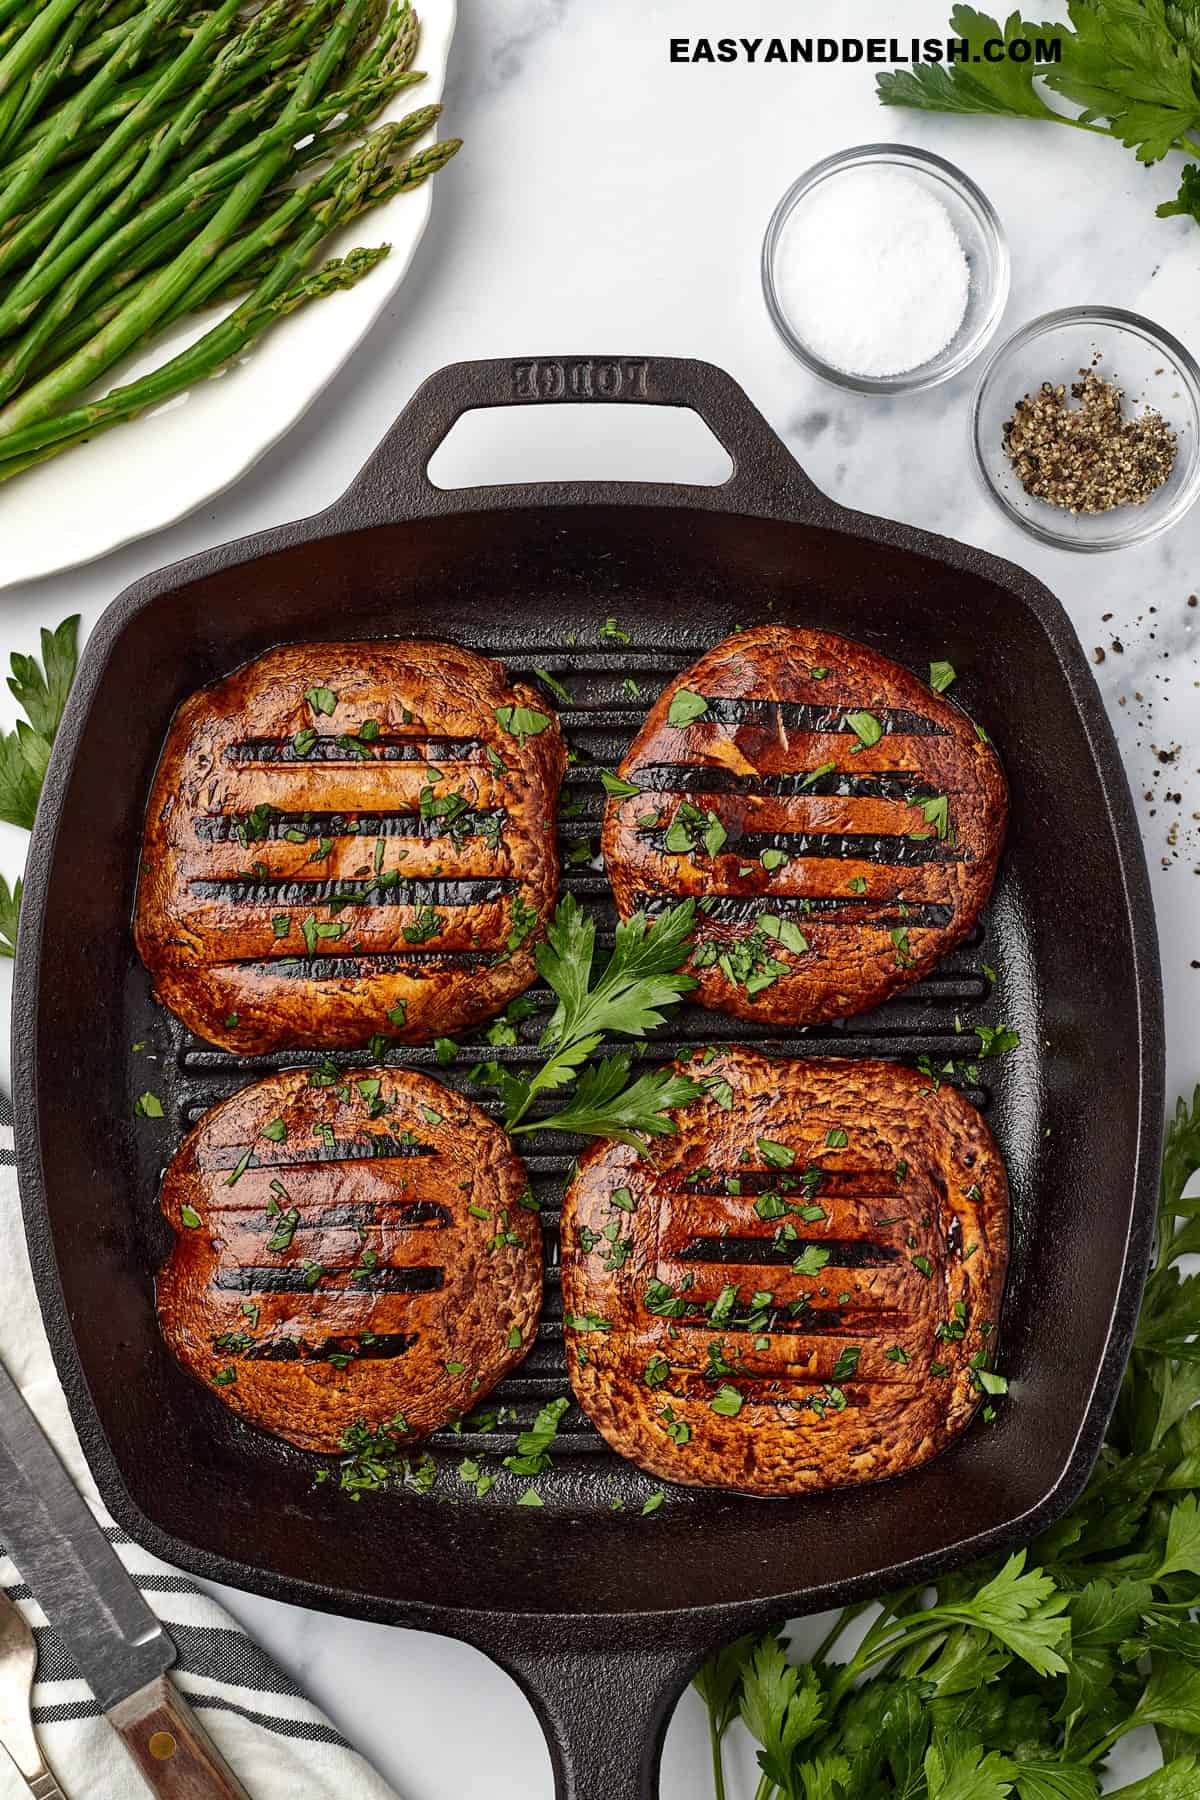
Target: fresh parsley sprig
629, 997
41, 691
1130, 66
1018, 1677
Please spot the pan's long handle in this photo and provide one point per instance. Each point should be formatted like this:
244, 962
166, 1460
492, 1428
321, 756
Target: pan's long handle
604, 1713
766, 478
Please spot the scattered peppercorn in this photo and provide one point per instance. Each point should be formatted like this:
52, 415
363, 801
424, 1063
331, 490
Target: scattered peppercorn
1087, 458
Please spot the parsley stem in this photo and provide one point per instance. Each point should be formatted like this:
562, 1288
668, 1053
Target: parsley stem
846, 1617
908, 1632
1106, 1743
718, 1766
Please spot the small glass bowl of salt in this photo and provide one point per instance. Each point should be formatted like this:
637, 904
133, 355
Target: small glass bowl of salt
885, 269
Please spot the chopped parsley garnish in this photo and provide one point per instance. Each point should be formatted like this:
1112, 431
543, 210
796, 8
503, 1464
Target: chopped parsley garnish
936, 813
662, 1300
784, 932
521, 722
835, 1138
817, 774
727, 1401
189, 1217
812, 1260
522, 919
685, 707
847, 1362
866, 728
427, 924
941, 674
776, 1156
285, 1230
613, 784
148, 1106
556, 687
533, 1446
321, 699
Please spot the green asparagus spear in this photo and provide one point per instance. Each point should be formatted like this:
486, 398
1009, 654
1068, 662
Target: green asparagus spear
227, 339
144, 312
151, 158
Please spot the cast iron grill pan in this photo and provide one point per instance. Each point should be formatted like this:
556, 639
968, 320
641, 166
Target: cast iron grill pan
600, 1614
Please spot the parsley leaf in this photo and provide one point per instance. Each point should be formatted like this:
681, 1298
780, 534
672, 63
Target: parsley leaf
627, 996
1128, 64
41, 688
685, 707
10, 907
521, 721
42, 695
604, 1106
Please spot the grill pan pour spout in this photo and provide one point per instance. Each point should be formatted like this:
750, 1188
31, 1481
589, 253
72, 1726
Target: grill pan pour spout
600, 1613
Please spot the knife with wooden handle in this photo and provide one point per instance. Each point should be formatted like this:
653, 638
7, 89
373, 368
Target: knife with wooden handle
121, 1649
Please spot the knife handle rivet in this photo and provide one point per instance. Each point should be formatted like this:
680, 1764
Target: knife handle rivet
162, 1746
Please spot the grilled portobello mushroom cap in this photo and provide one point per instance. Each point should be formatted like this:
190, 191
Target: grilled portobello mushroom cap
350, 839
356, 1251
796, 1291
839, 823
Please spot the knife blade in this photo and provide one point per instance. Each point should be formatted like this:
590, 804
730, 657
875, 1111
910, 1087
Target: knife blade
121, 1649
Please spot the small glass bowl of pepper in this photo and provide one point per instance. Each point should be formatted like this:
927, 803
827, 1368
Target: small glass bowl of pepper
1044, 472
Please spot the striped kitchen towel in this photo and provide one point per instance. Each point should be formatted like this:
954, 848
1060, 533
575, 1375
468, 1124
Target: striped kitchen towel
280, 1746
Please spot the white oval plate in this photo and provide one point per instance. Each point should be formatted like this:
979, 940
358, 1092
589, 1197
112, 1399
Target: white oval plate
151, 471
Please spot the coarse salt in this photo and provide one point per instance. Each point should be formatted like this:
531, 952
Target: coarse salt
870, 273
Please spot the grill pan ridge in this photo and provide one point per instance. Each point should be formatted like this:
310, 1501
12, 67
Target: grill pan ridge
582, 1604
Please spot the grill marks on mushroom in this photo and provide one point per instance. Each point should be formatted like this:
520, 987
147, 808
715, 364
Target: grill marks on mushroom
839, 823
349, 1252
345, 839
785, 1312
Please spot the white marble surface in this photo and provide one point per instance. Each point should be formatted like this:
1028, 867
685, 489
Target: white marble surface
606, 201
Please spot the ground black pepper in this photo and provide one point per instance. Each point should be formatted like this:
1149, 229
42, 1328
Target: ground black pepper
1087, 458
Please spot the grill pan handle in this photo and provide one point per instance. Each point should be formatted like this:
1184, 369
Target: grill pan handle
604, 1712
767, 480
